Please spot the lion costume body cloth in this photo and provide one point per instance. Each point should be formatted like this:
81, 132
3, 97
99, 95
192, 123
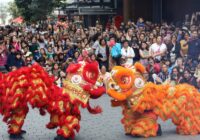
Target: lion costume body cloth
33, 86
143, 102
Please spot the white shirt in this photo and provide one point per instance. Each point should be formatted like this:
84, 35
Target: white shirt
96, 45
128, 52
155, 49
101, 50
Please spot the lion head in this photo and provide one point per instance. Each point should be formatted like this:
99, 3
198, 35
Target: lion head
83, 82
126, 83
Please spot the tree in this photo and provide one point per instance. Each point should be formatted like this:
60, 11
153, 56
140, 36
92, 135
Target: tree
35, 10
3, 14
13, 10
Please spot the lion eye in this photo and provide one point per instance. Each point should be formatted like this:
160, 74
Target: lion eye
139, 83
99, 84
112, 85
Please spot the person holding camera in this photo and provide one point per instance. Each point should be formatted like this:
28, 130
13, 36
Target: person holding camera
102, 53
175, 76
163, 76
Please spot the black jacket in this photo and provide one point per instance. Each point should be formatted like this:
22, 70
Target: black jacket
19, 63
11, 60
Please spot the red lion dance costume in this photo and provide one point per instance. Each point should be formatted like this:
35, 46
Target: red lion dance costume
32, 85
142, 102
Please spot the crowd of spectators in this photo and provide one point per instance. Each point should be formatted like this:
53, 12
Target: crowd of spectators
170, 53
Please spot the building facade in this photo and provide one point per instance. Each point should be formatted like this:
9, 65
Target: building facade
152, 10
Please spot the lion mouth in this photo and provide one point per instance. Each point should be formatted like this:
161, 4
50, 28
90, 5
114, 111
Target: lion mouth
125, 90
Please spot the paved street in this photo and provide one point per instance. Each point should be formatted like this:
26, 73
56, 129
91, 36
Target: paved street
105, 126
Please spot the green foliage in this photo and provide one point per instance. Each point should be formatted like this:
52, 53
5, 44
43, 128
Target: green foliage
3, 14
35, 10
13, 10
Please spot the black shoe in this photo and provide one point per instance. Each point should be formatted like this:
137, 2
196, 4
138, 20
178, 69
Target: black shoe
16, 136
61, 138
23, 132
128, 134
159, 132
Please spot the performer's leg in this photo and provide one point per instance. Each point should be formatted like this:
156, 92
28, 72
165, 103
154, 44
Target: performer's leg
54, 121
188, 128
67, 126
146, 127
128, 120
16, 121
188, 123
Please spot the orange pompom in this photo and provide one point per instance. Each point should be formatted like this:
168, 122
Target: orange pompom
139, 67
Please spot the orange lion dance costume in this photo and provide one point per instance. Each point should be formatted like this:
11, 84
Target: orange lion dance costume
32, 85
143, 102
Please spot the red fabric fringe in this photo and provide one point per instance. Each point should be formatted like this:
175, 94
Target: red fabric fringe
95, 110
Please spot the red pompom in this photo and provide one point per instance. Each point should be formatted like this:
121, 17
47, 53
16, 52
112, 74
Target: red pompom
91, 68
72, 68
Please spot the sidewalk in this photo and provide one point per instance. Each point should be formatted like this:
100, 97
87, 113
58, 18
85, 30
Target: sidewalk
105, 126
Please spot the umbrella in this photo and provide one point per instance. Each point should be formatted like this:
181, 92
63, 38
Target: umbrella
18, 20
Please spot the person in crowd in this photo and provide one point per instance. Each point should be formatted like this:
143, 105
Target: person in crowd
148, 77
194, 46
174, 48
42, 53
129, 36
15, 42
58, 48
76, 56
127, 53
184, 44
70, 49
163, 76
92, 58
56, 69
50, 53
158, 49
18, 62
34, 48
97, 39
104, 74
11, 58
188, 78
102, 53
175, 76
136, 49
153, 67
84, 56
115, 51
197, 75
144, 54
3, 56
